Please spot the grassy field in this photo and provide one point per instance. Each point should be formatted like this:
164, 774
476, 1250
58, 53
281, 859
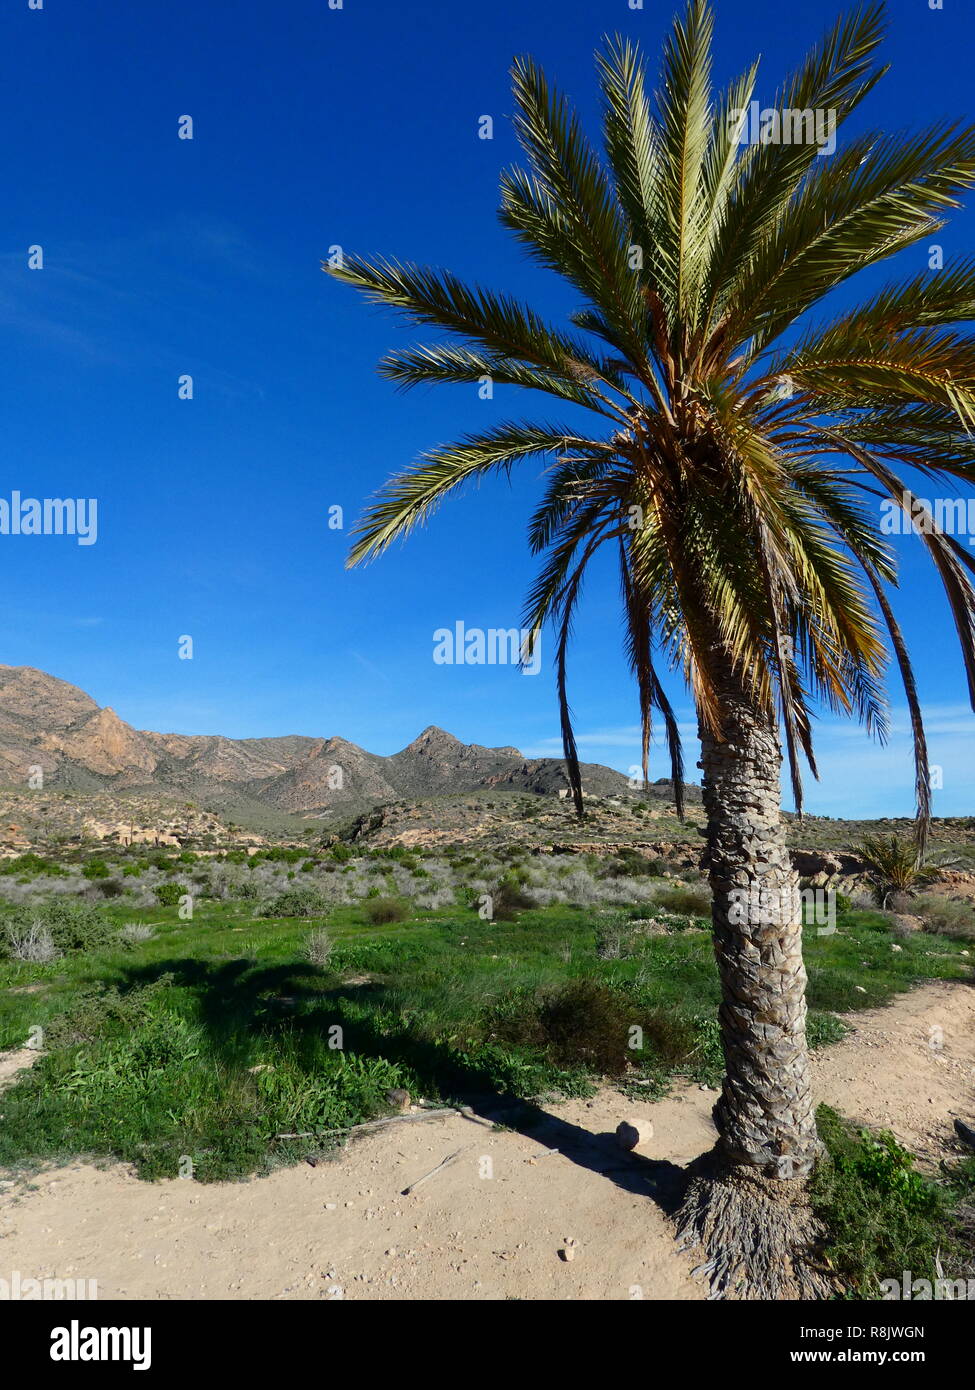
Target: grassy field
216, 1034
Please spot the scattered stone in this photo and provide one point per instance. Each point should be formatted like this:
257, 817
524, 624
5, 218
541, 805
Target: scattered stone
630, 1134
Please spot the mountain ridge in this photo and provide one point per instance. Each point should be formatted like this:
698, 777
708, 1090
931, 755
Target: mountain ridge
49, 723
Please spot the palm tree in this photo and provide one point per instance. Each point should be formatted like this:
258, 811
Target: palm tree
730, 452
894, 866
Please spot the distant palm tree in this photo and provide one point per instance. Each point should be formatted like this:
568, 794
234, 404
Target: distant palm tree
735, 476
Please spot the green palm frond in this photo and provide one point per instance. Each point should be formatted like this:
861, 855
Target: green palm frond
409, 498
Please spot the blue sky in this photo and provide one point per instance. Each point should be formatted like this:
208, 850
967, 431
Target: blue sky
315, 127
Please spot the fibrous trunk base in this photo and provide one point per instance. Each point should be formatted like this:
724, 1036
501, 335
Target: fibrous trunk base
758, 1235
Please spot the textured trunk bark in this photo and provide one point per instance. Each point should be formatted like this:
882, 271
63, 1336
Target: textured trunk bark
765, 1116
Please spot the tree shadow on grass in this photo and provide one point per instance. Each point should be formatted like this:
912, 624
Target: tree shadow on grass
238, 1002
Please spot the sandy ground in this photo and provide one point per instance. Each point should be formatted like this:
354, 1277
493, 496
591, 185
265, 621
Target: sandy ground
496, 1222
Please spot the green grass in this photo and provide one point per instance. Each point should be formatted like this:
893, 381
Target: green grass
207, 1041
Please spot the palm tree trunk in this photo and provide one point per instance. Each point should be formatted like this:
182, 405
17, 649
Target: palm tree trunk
765, 1116
746, 1204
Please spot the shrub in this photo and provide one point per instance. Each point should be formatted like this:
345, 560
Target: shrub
509, 898
31, 864
582, 1023
881, 1216
169, 894
614, 937
630, 863
74, 925
281, 854
98, 1013
296, 902
96, 868
319, 948
380, 911
946, 916
31, 941
137, 931
694, 902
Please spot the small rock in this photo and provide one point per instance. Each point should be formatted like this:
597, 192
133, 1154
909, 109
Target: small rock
630, 1134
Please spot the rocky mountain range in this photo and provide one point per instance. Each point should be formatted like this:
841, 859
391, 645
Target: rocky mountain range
49, 724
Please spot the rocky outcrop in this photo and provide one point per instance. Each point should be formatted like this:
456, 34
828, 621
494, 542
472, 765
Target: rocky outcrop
104, 744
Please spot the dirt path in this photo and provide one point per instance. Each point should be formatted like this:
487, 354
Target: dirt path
492, 1224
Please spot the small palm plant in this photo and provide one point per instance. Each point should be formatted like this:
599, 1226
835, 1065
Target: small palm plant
894, 865
729, 448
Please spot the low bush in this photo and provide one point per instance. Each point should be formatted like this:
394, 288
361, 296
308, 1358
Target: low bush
581, 1023
881, 1215
31, 864
296, 902
30, 941
379, 911
694, 902
509, 898
319, 948
135, 932
946, 916
71, 924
